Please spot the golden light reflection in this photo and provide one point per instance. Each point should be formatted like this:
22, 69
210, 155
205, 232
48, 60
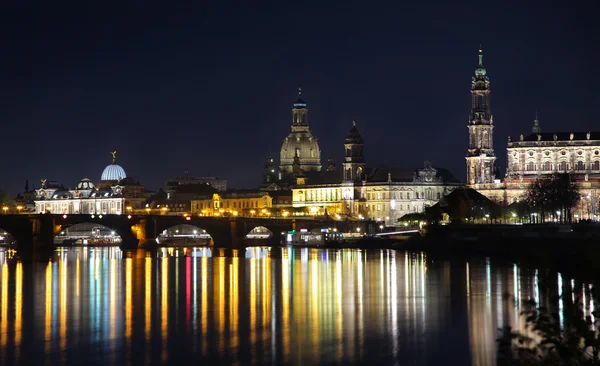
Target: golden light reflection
4, 304
148, 304
18, 309
48, 314
128, 304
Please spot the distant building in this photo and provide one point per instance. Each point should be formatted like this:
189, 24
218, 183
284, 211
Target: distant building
115, 193
383, 194
233, 202
172, 185
529, 157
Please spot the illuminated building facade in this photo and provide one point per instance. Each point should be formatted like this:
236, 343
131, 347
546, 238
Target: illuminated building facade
110, 196
381, 194
238, 202
532, 156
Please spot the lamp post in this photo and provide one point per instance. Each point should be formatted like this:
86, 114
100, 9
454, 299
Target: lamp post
381, 228
5, 208
19, 208
514, 216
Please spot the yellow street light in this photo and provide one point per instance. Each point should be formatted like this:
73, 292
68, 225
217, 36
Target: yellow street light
252, 212
164, 210
286, 214
235, 213
5, 208
148, 210
19, 208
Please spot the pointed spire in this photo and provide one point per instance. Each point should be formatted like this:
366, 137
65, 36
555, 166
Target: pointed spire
480, 55
354, 123
537, 129
299, 91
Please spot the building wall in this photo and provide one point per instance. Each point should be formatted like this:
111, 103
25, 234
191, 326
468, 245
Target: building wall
105, 206
377, 201
547, 157
218, 205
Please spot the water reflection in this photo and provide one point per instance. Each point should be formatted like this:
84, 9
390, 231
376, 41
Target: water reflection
268, 305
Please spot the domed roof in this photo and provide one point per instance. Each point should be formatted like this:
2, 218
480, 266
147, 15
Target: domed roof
354, 137
113, 172
305, 146
85, 184
480, 70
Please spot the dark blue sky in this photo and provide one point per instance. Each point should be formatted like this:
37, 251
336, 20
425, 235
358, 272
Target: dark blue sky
209, 87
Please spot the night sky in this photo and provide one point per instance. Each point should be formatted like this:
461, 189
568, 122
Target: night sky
209, 86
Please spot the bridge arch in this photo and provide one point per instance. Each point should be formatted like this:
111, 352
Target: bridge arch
184, 234
259, 232
6, 239
87, 233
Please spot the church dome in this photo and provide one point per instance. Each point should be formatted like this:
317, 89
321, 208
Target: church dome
85, 184
113, 172
354, 137
305, 146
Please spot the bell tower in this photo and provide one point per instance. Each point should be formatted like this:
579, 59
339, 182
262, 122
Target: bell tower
481, 159
354, 160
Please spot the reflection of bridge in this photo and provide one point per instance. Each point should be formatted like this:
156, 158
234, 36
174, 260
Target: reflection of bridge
36, 232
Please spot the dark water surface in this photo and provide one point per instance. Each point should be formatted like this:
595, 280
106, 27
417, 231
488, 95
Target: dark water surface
104, 306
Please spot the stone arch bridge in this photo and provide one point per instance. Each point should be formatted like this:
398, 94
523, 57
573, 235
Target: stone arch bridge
36, 232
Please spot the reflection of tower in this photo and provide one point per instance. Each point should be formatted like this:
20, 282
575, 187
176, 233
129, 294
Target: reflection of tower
481, 159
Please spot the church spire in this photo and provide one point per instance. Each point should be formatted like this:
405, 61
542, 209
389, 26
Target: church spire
537, 129
299, 111
480, 56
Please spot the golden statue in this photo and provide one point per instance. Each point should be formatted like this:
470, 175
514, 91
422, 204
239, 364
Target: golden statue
43, 183
114, 155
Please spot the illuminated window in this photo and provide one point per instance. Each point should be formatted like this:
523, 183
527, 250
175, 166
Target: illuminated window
378, 195
378, 207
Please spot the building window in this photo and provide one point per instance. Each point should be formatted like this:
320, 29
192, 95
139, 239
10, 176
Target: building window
596, 165
580, 165
383, 195
407, 196
416, 195
378, 195
547, 166
530, 166
438, 195
378, 207
563, 166
401, 196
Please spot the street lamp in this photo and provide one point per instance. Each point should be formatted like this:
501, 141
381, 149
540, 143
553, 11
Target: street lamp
5, 208
381, 228
19, 208
148, 210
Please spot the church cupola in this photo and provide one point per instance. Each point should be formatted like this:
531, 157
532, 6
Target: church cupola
536, 125
354, 159
299, 111
300, 145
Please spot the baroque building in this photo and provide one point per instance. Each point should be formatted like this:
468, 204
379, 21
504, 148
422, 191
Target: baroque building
114, 194
481, 159
382, 194
300, 151
532, 156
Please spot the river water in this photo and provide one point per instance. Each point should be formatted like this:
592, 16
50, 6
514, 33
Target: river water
105, 306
